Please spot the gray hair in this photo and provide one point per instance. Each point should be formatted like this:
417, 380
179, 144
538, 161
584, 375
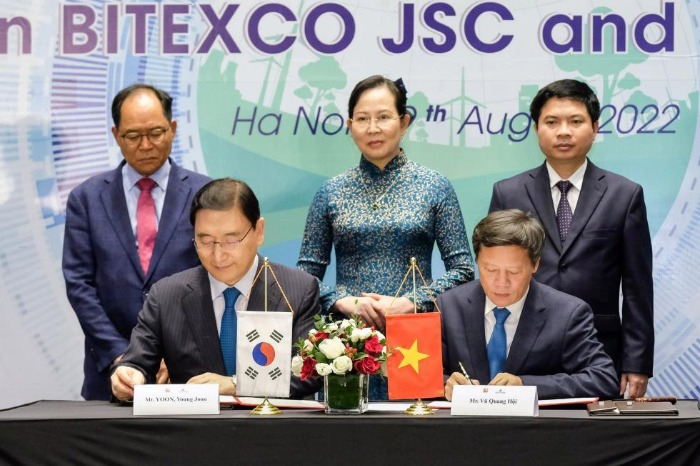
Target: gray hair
165, 101
510, 228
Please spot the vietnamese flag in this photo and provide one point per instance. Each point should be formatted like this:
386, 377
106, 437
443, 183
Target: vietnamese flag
414, 367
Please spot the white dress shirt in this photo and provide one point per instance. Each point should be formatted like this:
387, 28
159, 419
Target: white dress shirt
243, 285
576, 180
511, 323
129, 179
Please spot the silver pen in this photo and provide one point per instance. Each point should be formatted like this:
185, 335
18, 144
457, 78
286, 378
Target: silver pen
464, 371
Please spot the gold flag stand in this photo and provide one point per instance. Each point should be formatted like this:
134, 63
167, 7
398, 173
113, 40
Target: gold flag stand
418, 408
266, 408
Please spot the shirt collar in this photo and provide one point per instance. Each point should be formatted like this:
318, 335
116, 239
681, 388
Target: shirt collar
160, 176
515, 309
394, 165
575, 179
243, 285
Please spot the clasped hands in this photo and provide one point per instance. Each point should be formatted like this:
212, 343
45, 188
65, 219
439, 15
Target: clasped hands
372, 307
503, 378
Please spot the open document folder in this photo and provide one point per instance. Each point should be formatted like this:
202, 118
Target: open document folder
631, 408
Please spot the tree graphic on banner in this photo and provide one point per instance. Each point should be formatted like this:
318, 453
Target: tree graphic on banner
608, 65
321, 77
420, 102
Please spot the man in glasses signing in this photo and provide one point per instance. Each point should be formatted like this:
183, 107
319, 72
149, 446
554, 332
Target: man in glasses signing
189, 318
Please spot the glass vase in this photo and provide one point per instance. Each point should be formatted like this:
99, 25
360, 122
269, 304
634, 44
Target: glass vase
346, 394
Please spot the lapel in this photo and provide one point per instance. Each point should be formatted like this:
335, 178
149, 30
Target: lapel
540, 194
592, 191
473, 324
117, 213
174, 207
532, 320
256, 300
198, 307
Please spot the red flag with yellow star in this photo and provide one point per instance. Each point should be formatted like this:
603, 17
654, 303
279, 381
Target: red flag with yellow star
414, 367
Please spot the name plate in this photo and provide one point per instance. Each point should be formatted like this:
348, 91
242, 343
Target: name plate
494, 400
171, 399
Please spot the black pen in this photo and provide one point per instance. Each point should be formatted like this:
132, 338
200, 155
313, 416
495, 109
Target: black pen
464, 371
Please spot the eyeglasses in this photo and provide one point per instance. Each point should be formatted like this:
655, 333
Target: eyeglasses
207, 245
155, 135
382, 121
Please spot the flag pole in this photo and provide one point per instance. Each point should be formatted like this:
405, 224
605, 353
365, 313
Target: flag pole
266, 408
413, 270
429, 390
266, 264
418, 408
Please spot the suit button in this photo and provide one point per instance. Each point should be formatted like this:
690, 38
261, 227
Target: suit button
563, 266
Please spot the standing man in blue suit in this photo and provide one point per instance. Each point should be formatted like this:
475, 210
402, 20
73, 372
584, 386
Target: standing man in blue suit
108, 269
508, 329
598, 237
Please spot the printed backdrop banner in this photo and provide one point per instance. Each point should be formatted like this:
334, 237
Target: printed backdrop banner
260, 93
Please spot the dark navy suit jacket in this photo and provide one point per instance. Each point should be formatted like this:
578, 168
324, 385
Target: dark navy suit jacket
178, 323
104, 280
554, 347
608, 247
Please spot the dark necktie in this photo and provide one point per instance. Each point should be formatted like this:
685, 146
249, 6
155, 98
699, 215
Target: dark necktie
146, 223
496, 347
564, 214
229, 330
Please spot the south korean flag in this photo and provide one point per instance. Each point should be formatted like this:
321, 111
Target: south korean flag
264, 354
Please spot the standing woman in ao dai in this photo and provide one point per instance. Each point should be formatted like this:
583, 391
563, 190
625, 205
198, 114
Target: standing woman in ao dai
382, 213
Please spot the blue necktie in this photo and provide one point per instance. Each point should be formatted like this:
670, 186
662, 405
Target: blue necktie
496, 347
229, 330
564, 214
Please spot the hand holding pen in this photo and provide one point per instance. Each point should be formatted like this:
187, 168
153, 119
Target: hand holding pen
457, 378
464, 372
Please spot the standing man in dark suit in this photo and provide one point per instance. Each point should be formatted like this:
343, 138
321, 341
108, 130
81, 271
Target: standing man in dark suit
597, 232
120, 238
509, 329
183, 319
